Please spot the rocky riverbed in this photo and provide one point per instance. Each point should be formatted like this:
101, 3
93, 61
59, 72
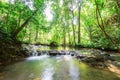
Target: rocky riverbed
92, 57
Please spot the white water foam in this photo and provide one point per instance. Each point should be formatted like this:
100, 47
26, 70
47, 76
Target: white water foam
42, 57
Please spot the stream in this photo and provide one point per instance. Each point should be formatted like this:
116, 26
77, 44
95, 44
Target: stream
63, 67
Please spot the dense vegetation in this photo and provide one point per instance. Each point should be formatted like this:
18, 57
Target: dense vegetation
82, 23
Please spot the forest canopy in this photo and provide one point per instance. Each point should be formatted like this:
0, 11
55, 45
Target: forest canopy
86, 23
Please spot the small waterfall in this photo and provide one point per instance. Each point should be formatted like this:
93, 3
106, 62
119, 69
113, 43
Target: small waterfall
34, 53
37, 55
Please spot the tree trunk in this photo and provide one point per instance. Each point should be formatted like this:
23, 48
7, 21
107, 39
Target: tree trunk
64, 33
90, 33
14, 35
68, 31
73, 27
79, 11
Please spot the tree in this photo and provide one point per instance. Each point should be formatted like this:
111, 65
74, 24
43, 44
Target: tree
102, 26
79, 11
16, 32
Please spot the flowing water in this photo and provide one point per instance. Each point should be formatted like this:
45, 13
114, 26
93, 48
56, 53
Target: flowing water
63, 67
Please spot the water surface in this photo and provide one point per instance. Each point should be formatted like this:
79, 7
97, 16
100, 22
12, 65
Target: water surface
55, 68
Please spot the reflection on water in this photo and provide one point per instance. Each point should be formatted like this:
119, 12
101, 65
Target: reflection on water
74, 72
48, 72
42, 57
114, 69
54, 68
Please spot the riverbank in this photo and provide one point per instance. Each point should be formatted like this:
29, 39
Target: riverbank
19, 52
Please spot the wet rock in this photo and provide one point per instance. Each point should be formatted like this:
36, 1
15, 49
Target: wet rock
24, 53
98, 58
96, 52
88, 59
62, 52
80, 56
53, 53
67, 52
94, 62
108, 57
55, 44
116, 63
39, 53
98, 64
73, 53
43, 52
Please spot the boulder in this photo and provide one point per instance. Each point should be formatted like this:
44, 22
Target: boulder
53, 53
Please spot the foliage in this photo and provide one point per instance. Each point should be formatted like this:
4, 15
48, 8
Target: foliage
59, 24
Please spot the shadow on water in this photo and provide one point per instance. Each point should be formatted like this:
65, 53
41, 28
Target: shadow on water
64, 67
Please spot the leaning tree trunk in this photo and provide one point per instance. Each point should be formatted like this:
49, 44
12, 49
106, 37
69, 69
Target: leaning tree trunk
14, 35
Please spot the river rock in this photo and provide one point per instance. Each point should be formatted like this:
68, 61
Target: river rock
39, 53
53, 53
62, 52
73, 53
80, 56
